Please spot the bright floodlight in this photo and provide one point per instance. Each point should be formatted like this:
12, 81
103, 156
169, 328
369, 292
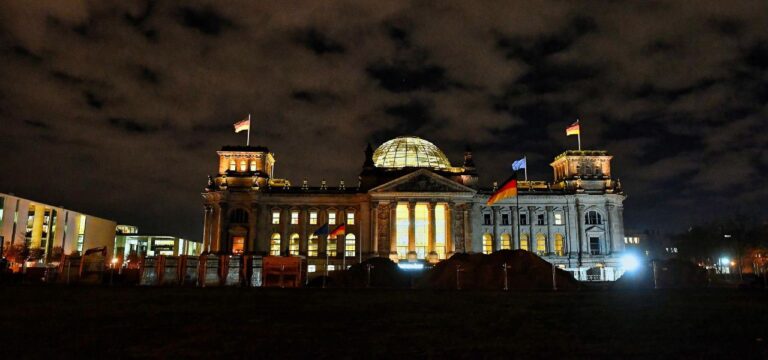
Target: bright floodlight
630, 262
725, 261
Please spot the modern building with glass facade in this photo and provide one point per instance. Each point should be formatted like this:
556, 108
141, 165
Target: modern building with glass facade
41, 226
411, 204
129, 240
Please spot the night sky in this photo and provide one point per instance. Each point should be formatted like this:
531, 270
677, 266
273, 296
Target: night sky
117, 109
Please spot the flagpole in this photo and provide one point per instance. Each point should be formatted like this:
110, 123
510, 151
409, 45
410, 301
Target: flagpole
526, 168
578, 135
248, 140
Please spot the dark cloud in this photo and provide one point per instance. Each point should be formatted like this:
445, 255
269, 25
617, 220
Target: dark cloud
676, 92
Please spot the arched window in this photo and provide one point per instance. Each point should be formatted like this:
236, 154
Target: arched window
559, 241
293, 245
487, 243
541, 244
312, 246
253, 165
349, 245
238, 216
274, 245
524, 242
593, 218
506, 241
232, 165
243, 165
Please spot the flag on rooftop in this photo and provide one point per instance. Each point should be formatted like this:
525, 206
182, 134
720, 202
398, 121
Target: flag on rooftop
574, 129
243, 125
508, 190
519, 164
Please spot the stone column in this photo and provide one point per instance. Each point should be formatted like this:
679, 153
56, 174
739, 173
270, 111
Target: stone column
449, 244
207, 219
431, 227
550, 236
458, 229
533, 221
468, 226
365, 245
583, 247
375, 229
303, 227
222, 245
392, 227
253, 224
609, 208
515, 214
495, 241
411, 226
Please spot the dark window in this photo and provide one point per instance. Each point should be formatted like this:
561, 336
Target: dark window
504, 219
594, 246
487, 219
540, 219
593, 218
238, 216
523, 219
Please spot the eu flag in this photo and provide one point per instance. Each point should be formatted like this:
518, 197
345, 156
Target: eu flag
519, 164
323, 230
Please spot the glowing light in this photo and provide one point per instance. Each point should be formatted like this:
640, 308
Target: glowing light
411, 266
630, 262
114, 260
409, 151
725, 261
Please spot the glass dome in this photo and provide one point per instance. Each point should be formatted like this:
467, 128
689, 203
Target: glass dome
410, 151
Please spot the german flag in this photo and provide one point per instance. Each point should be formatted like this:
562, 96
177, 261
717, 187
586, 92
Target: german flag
574, 129
508, 190
338, 231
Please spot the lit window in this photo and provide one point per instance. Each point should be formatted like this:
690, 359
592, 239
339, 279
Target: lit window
293, 245
421, 230
558, 218
81, 233
294, 217
349, 245
243, 165
253, 165
331, 267
487, 244
401, 229
440, 225
311, 268
524, 242
506, 242
312, 246
274, 245
541, 244
540, 219
350, 218
232, 165
313, 217
559, 244
332, 218
331, 246
238, 243
275, 217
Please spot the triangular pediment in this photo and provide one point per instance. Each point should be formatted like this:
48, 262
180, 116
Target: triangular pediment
422, 180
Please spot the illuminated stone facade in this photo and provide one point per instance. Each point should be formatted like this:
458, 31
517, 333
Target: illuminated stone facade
411, 204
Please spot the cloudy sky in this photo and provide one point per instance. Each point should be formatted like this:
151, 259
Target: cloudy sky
116, 108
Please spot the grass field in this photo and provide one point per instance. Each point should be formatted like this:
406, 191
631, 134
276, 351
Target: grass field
108, 323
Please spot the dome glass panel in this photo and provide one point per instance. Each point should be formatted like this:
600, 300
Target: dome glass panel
410, 151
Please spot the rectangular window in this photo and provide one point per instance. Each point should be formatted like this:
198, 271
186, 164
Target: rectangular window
440, 230
276, 217
81, 234
594, 246
331, 218
558, 218
331, 267
351, 218
421, 229
294, 217
504, 219
311, 268
349, 245
523, 219
312, 246
313, 217
486, 219
540, 219
402, 223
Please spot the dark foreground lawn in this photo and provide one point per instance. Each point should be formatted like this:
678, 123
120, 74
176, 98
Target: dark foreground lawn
111, 323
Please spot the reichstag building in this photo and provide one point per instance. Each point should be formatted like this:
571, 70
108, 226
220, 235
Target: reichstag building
413, 206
